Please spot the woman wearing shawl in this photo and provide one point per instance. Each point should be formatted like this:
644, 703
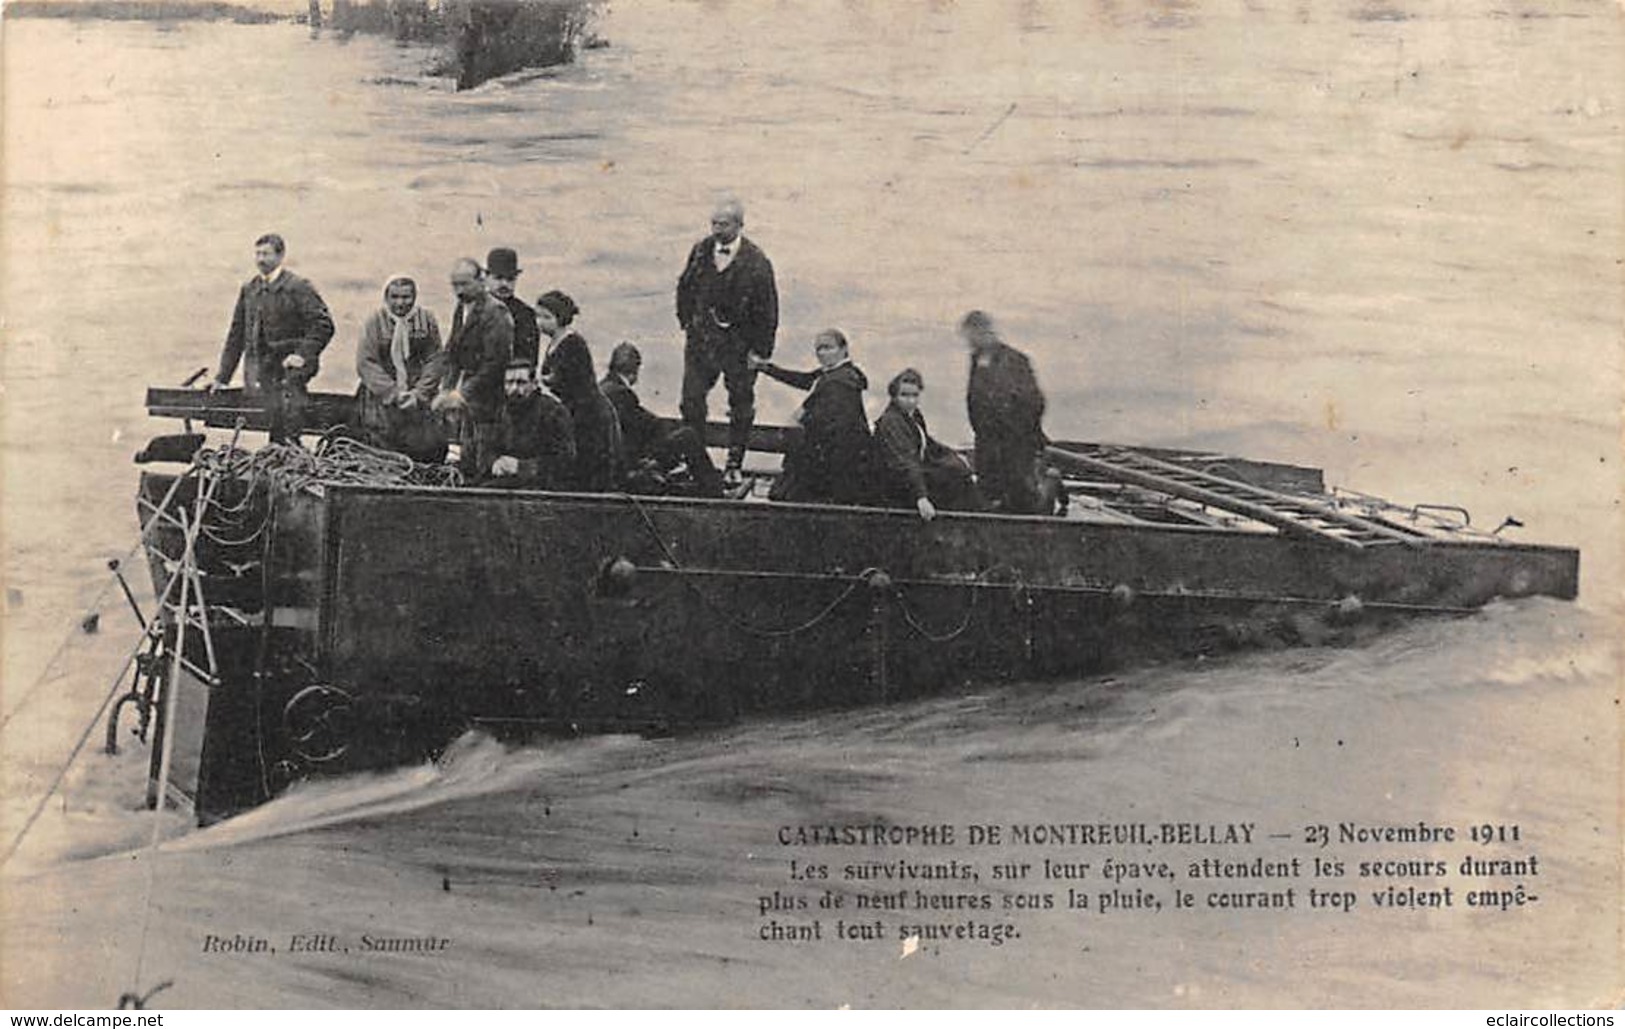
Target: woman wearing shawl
568, 374
398, 360
830, 462
914, 469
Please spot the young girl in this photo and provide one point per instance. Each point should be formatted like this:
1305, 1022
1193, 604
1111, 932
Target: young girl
914, 469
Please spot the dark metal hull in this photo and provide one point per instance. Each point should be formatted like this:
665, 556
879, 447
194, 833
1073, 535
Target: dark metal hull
379, 623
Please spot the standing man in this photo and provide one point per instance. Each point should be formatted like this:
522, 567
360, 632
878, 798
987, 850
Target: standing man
728, 306
476, 356
1006, 411
277, 332
502, 271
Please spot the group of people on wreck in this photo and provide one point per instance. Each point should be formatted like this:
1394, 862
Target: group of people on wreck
514, 386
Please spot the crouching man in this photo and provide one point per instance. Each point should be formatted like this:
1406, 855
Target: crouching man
651, 450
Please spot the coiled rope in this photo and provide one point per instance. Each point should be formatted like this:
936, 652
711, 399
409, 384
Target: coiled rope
337, 460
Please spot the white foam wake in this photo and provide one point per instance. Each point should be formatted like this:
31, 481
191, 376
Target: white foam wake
474, 765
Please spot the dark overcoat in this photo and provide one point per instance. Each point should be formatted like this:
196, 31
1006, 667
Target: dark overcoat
641, 429
731, 312
911, 464
1006, 410
271, 321
476, 357
527, 337
830, 461
567, 371
537, 431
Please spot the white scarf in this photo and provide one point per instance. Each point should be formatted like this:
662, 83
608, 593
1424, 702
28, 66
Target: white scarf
400, 340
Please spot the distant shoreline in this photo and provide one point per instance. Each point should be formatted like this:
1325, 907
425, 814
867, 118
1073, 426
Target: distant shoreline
478, 40
145, 10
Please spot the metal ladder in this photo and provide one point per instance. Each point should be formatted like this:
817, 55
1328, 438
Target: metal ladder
191, 610
1303, 517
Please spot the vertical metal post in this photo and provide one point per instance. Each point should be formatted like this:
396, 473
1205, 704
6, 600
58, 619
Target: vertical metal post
166, 727
877, 643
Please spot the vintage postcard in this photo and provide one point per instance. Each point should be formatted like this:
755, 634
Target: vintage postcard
716, 503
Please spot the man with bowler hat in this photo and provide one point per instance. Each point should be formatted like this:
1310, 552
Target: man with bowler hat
728, 306
502, 273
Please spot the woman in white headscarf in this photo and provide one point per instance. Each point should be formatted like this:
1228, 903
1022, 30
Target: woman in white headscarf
398, 360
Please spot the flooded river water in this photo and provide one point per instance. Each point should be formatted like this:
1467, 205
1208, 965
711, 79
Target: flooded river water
1382, 238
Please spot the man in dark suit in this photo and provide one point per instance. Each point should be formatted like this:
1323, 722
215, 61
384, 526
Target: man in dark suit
278, 331
728, 306
651, 448
476, 355
534, 446
1006, 410
502, 271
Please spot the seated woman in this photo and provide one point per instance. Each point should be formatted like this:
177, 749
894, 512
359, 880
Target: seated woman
830, 463
398, 361
567, 372
915, 470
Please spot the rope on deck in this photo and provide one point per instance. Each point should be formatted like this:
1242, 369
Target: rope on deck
337, 460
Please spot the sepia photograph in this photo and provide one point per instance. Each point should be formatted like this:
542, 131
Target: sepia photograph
1091, 504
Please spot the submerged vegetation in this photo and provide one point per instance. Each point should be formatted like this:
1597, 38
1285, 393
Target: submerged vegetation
142, 10
476, 40
480, 39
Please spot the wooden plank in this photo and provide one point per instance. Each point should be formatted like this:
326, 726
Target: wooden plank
1312, 510
222, 408
1268, 474
764, 439
1078, 463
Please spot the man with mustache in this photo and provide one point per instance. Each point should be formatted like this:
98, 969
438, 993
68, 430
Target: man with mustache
728, 307
278, 331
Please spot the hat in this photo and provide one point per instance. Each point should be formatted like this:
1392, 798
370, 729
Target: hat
503, 263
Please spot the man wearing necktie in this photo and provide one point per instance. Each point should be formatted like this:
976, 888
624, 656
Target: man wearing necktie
278, 331
728, 306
